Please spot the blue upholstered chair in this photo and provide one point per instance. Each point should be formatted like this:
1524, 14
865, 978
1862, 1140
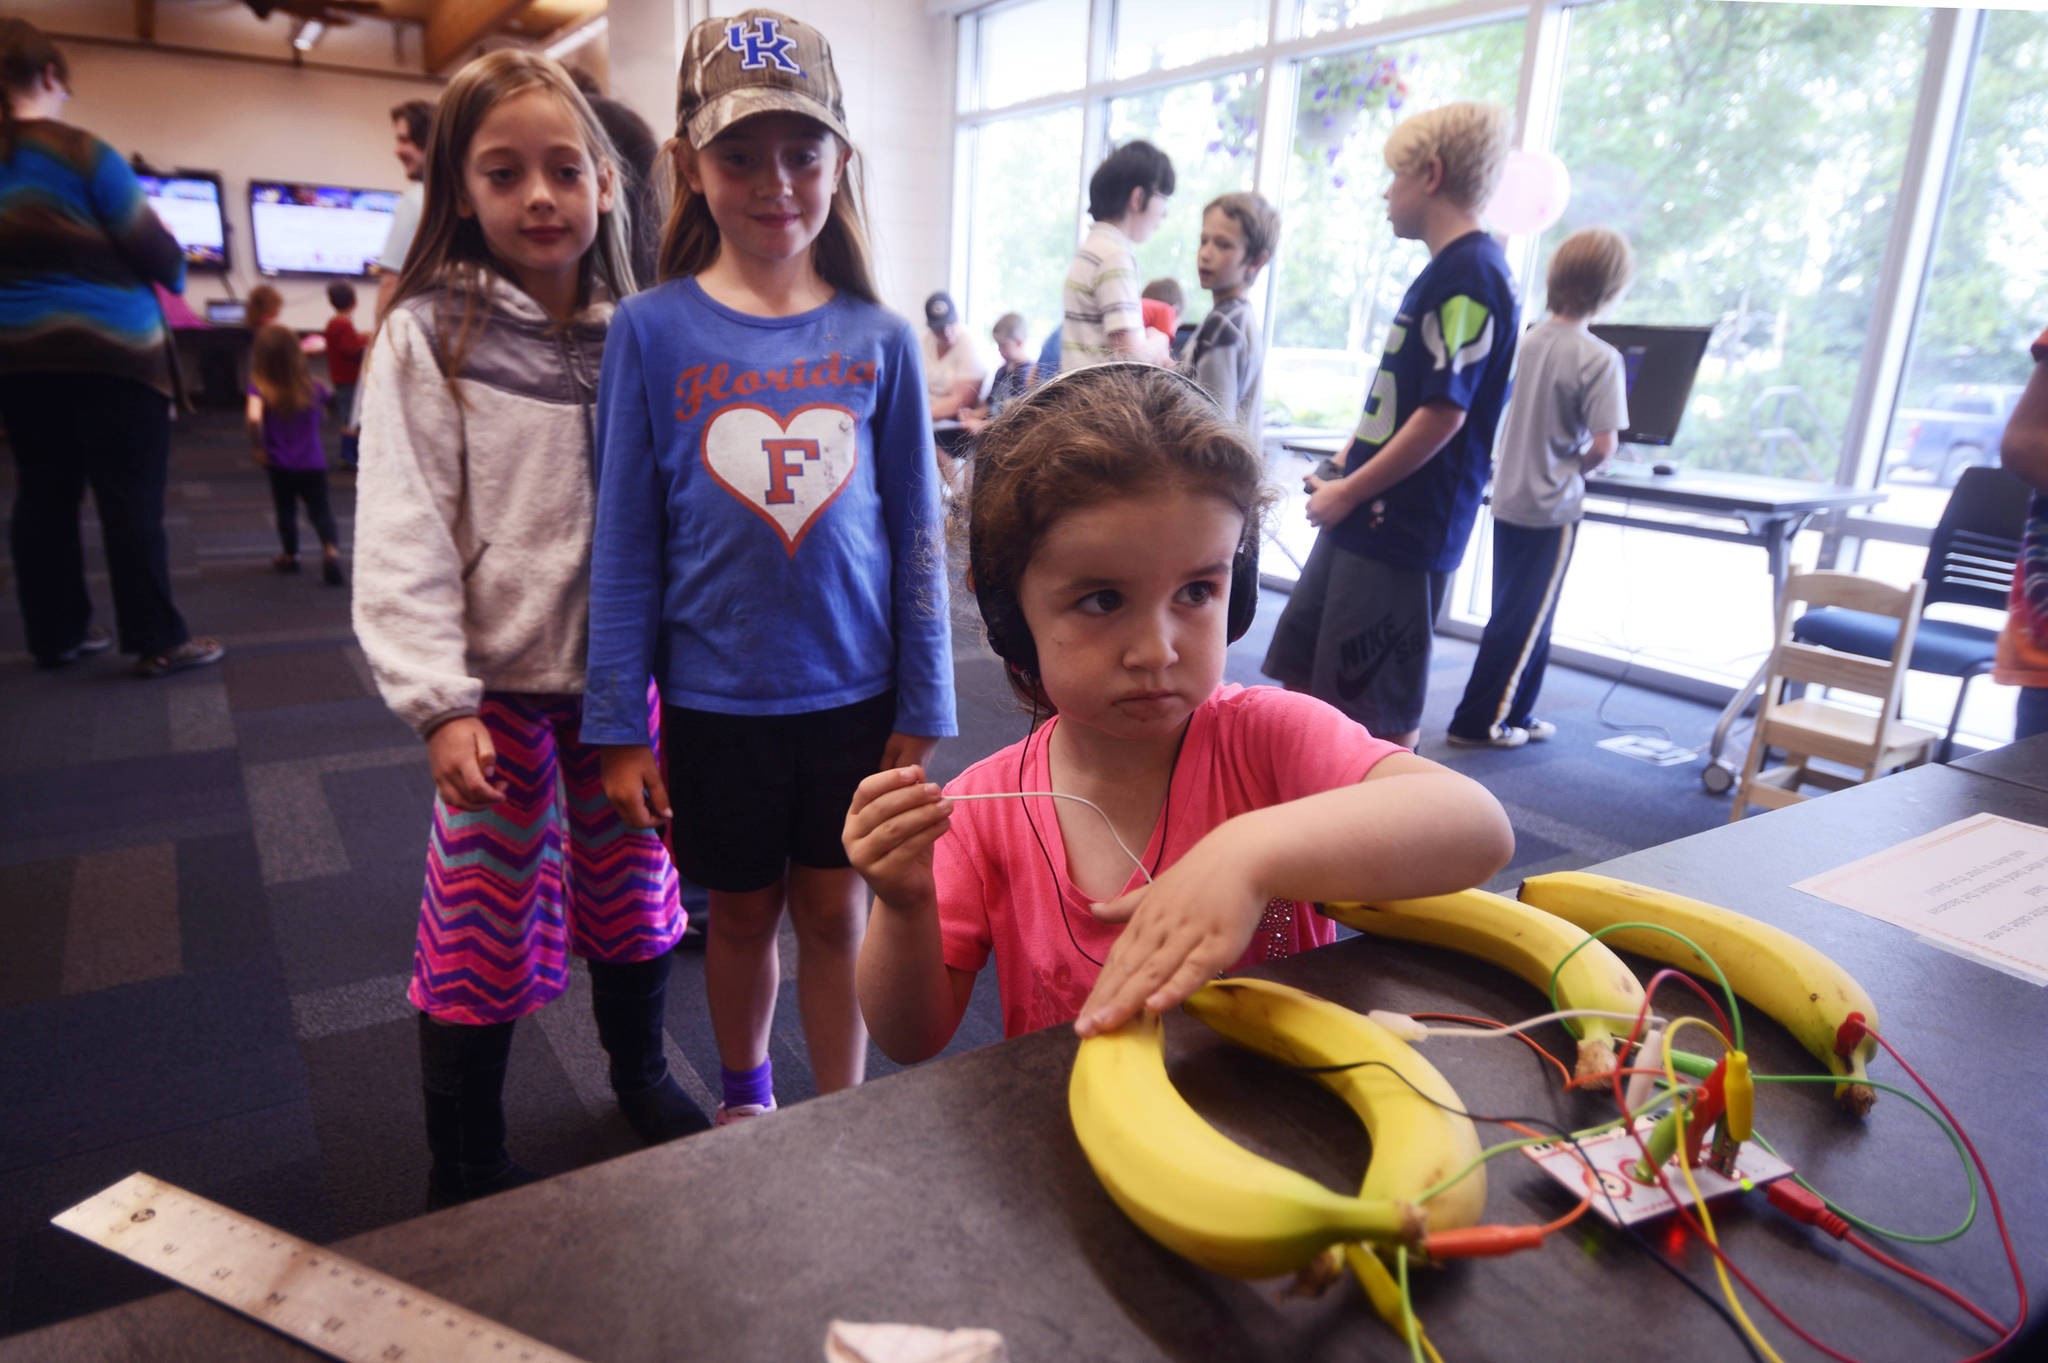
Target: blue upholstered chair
1969, 561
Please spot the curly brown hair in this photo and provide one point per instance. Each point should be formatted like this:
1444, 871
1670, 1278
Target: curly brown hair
1114, 430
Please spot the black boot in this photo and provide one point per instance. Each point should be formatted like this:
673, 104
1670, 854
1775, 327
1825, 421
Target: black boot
628, 1001
462, 1070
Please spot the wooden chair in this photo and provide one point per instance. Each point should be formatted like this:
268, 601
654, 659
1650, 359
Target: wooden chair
1805, 728
1970, 561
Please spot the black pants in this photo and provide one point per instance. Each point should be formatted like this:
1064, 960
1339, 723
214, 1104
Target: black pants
68, 432
289, 487
1528, 576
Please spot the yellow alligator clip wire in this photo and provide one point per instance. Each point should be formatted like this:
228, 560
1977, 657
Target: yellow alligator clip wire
1738, 1090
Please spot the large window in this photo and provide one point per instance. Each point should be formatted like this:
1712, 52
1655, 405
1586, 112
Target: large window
1207, 127
1024, 50
1986, 295
1756, 155
1021, 237
1752, 155
1341, 269
1155, 35
1327, 16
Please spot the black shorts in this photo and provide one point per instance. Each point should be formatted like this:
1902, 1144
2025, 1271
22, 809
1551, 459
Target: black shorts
1356, 633
753, 793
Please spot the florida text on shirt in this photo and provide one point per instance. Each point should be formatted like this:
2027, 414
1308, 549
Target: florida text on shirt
716, 383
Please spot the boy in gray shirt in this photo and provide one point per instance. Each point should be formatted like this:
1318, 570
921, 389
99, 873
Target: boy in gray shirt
1239, 232
1569, 404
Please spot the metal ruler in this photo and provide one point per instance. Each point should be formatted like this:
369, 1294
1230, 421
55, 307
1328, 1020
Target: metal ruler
322, 1299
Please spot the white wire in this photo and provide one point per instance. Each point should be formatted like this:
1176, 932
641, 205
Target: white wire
1136, 860
1527, 1023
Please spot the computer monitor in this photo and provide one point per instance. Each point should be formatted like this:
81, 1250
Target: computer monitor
189, 204
1659, 365
318, 229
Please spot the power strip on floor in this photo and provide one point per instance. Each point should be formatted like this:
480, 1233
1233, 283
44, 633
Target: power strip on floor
1658, 752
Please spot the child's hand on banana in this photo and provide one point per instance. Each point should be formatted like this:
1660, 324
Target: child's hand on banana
1196, 919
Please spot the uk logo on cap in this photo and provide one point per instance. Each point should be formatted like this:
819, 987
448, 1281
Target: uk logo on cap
764, 47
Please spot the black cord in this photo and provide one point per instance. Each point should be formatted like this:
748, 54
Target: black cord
1059, 891
1567, 1137
1600, 710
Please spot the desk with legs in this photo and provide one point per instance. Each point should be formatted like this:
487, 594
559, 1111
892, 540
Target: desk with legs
955, 1194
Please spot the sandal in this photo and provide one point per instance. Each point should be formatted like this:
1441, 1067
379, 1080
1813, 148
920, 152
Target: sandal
286, 563
191, 653
330, 570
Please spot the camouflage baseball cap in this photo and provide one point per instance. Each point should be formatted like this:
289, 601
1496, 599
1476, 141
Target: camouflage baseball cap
758, 62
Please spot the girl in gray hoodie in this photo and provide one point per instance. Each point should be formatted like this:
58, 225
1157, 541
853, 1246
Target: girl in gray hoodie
474, 513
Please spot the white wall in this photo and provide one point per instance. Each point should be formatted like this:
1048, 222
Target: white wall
260, 122
242, 120
896, 64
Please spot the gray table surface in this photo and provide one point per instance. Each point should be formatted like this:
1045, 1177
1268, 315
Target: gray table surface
954, 1194
2024, 763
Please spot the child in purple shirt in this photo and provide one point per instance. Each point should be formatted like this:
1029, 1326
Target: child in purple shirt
284, 433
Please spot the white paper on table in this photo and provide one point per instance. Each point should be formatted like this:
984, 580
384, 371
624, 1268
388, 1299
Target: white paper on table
855, 1342
1978, 886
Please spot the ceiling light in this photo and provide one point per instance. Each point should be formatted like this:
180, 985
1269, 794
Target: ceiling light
307, 33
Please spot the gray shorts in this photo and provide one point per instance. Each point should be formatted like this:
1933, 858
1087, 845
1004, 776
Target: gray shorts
1356, 633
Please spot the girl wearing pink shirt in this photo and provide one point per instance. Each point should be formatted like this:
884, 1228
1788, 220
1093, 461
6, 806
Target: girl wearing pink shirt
1113, 551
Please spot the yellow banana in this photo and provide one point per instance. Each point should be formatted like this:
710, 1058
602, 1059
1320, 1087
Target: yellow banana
1192, 1188
1521, 939
1415, 1143
1809, 995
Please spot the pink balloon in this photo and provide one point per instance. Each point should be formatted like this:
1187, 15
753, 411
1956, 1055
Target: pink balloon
1533, 191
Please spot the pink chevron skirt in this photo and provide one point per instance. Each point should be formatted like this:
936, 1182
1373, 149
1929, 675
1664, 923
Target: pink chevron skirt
506, 901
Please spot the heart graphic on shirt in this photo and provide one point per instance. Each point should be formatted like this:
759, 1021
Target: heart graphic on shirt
786, 470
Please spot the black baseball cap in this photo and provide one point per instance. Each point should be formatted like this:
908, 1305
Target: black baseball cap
939, 312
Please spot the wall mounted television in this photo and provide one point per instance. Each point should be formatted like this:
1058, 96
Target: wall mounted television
318, 229
190, 204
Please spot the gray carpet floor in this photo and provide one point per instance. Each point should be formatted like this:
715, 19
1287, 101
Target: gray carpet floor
208, 886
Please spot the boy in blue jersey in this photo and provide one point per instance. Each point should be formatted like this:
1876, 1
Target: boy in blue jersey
1356, 631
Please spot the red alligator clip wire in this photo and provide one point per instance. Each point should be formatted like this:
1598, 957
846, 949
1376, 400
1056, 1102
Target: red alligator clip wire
1850, 1034
1708, 1105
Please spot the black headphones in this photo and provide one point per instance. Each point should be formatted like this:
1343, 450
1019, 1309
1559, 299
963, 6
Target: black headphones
1001, 614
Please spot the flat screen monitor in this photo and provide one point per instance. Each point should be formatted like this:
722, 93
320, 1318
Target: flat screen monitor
1659, 364
318, 229
189, 204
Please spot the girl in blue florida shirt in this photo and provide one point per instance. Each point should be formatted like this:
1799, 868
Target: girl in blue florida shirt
768, 541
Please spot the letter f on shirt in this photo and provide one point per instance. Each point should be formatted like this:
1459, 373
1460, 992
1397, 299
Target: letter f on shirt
781, 469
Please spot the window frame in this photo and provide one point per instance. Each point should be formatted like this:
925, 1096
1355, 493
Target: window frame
1940, 103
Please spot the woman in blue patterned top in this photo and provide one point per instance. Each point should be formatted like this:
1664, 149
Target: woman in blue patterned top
85, 384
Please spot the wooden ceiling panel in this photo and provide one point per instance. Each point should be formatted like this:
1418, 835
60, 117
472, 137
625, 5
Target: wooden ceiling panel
533, 19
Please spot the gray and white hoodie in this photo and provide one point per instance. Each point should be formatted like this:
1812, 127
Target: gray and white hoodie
473, 519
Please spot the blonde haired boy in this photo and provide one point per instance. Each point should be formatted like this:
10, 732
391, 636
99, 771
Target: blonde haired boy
1570, 405
1358, 626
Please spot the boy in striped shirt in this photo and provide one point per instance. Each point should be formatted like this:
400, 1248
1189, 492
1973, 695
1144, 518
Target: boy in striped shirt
1127, 198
